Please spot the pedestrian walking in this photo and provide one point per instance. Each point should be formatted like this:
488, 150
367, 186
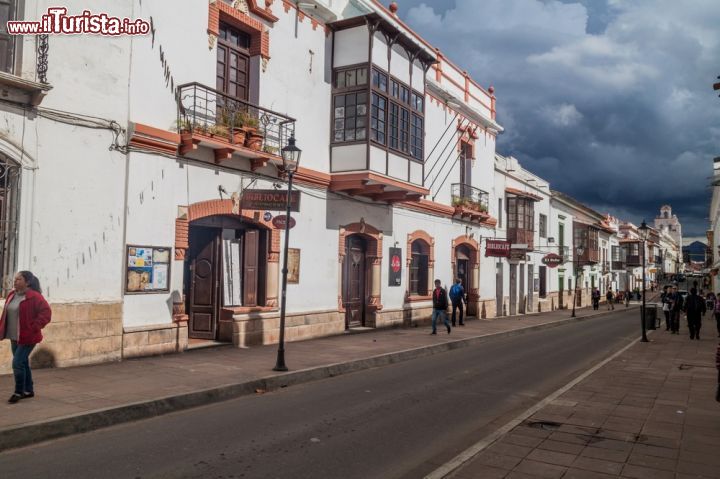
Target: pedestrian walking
717, 365
665, 301
609, 296
627, 298
676, 306
457, 297
694, 309
595, 298
440, 306
25, 314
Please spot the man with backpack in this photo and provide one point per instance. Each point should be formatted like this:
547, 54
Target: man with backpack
610, 297
457, 296
694, 308
440, 304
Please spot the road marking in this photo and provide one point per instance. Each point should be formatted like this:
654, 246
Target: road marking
468, 454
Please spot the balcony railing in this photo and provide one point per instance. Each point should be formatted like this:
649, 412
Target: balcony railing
211, 113
469, 197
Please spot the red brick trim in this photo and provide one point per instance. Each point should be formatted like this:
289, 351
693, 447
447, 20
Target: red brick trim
470, 243
373, 236
260, 39
204, 209
429, 240
148, 137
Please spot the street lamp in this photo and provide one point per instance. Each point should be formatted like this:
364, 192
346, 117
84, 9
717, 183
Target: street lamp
291, 158
576, 263
644, 230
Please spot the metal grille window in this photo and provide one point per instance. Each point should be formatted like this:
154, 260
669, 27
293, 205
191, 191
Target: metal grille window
416, 137
419, 268
350, 117
9, 209
377, 118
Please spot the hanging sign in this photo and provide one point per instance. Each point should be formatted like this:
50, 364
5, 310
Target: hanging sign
273, 200
552, 260
280, 220
395, 267
497, 248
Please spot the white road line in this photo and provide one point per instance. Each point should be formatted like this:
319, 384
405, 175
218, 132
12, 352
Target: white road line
468, 454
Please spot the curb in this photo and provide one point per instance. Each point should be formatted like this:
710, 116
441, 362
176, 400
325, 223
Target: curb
35, 432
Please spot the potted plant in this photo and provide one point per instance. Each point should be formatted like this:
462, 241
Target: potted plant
273, 150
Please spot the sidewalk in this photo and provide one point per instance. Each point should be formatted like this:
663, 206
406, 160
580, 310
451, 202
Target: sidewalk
72, 400
648, 413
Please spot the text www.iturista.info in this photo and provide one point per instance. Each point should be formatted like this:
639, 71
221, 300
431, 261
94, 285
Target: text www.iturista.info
57, 21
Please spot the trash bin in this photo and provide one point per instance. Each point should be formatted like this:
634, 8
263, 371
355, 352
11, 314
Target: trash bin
651, 316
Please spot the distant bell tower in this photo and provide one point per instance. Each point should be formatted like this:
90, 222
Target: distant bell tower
670, 223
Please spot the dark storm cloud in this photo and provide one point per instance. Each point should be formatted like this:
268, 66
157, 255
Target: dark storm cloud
609, 100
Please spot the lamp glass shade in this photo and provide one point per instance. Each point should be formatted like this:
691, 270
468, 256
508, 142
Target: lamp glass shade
291, 155
643, 229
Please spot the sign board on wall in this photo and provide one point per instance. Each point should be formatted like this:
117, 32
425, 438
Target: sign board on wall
552, 260
273, 200
395, 267
497, 248
147, 269
293, 265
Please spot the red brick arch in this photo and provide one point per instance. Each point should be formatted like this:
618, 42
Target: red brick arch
204, 209
470, 243
373, 237
421, 235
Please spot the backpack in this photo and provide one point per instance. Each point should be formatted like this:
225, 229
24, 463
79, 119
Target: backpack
456, 292
694, 305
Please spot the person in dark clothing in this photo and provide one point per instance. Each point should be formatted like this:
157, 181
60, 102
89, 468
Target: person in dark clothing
694, 308
676, 306
717, 365
595, 298
665, 301
457, 297
716, 311
440, 306
609, 296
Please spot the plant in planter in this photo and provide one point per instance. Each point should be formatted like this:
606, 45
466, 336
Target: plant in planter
273, 150
219, 130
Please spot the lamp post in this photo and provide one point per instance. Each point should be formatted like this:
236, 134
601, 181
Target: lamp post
644, 230
576, 260
291, 158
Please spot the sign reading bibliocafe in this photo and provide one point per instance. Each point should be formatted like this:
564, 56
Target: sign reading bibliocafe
497, 248
274, 200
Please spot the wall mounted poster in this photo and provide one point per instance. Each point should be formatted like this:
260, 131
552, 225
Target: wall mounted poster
293, 265
148, 269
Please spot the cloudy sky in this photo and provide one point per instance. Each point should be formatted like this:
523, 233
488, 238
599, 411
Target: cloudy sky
610, 100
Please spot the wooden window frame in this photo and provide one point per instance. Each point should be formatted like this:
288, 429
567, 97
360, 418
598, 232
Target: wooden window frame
229, 46
419, 268
15, 43
542, 225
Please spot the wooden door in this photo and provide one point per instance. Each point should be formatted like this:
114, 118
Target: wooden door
354, 282
513, 289
466, 168
522, 299
251, 257
204, 273
543, 282
233, 62
531, 287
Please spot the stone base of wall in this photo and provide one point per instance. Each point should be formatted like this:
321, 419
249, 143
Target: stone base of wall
264, 328
154, 340
408, 316
79, 333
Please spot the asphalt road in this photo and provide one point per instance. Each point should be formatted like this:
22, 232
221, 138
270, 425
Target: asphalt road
401, 420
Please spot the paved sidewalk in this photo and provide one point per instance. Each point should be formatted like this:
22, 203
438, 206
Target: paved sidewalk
648, 413
71, 400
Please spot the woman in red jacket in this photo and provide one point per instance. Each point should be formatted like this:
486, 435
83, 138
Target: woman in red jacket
25, 313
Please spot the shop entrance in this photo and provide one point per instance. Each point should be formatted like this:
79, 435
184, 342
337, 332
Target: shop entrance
354, 283
224, 268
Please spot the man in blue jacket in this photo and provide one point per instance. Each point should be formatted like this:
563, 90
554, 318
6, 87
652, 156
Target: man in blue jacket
457, 296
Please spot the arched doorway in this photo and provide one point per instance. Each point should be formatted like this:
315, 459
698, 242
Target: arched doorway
466, 267
225, 268
354, 288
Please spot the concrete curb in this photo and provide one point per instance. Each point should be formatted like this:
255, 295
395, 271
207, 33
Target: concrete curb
31, 433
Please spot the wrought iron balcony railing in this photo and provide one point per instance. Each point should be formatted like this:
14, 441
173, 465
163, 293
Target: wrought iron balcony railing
469, 197
206, 111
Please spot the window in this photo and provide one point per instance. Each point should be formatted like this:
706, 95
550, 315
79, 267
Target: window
417, 102
8, 50
377, 118
351, 78
233, 62
416, 137
521, 214
500, 213
543, 226
419, 268
9, 209
394, 130
350, 117
380, 80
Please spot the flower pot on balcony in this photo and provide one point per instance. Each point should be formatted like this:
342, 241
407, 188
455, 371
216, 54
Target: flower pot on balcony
254, 141
238, 136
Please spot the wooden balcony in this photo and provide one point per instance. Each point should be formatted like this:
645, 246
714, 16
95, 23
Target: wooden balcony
376, 187
521, 236
230, 127
633, 260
